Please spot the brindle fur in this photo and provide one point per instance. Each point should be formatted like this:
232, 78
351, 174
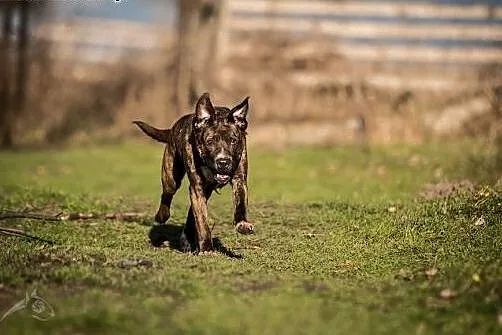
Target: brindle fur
193, 145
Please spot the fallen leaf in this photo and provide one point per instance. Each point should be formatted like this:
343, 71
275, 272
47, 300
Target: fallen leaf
392, 209
40, 170
65, 170
381, 171
431, 272
405, 274
480, 221
128, 263
476, 278
332, 168
420, 328
312, 174
438, 173
414, 160
447, 294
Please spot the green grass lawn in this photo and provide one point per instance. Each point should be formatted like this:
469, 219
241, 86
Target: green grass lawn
344, 244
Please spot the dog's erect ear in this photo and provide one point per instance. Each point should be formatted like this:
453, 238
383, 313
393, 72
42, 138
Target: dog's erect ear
240, 113
204, 111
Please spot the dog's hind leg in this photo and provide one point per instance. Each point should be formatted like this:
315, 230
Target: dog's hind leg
172, 175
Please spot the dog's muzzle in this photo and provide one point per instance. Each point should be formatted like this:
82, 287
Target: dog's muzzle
220, 178
223, 169
223, 165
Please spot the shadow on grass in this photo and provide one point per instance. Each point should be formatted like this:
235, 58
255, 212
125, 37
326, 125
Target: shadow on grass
171, 234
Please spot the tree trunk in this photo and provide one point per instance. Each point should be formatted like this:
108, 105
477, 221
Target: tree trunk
12, 99
5, 76
188, 23
22, 59
207, 46
199, 26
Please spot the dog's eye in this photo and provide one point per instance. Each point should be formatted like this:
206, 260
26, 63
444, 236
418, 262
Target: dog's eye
233, 141
209, 141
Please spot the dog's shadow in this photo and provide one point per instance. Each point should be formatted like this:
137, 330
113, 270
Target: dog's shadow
171, 234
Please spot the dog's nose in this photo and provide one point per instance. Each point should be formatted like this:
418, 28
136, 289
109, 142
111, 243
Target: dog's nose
223, 163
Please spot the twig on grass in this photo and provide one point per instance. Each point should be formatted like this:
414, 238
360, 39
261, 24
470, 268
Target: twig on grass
20, 233
24, 215
126, 216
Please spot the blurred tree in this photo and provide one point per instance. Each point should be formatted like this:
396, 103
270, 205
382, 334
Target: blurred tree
187, 29
22, 66
198, 28
6, 9
15, 70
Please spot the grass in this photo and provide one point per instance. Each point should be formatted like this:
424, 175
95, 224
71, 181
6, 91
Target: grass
342, 245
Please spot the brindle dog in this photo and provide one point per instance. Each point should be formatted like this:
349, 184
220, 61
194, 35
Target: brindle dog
210, 147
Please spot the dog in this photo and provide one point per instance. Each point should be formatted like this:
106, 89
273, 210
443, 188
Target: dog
209, 146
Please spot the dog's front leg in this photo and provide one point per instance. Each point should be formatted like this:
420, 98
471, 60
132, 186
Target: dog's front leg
196, 234
198, 200
240, 197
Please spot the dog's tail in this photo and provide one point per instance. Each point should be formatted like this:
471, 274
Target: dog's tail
161, 135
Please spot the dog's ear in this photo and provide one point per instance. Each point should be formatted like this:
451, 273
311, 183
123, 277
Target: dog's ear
240, 113
204, 111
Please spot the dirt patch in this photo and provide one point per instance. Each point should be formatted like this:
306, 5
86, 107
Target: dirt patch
7, 296
447, 189
255, 286
57, 259
314, 287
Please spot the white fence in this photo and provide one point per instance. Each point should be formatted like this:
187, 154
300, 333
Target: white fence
413, 33
389, 31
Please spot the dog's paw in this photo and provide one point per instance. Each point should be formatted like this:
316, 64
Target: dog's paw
162, 215
184, 244
206, 245
244, 228
207, 253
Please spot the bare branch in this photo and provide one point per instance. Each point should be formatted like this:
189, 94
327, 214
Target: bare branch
35, 216
20, 233
126, 216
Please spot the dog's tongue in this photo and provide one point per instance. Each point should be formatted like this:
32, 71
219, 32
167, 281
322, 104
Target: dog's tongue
222, 178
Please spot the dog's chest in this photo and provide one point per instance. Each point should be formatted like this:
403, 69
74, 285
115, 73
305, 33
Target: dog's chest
207, 174
210, 177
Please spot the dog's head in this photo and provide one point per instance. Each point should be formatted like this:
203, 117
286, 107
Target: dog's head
220, 136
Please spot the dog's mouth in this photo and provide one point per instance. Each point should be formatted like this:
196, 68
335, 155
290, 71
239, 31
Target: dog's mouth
221, 178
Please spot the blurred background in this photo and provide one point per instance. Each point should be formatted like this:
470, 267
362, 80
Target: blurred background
318, 72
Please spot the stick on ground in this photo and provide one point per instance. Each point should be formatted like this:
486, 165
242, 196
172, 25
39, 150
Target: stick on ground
126, 216
20, 233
